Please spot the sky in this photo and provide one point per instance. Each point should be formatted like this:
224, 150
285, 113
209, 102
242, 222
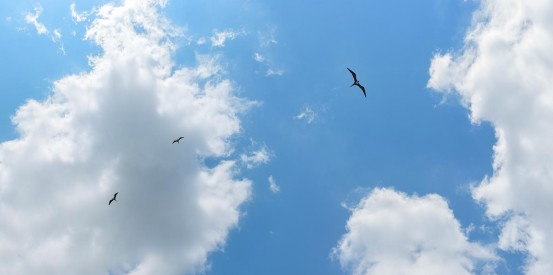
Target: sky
283, 168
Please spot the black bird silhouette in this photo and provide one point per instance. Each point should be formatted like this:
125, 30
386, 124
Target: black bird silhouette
113, 199
177, 140
356, 82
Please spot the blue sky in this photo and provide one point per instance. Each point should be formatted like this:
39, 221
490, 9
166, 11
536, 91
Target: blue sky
421, 137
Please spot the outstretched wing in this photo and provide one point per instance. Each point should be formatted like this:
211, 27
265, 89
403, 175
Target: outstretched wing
352, 74
115, 195
110, 202
362, 89
177, 140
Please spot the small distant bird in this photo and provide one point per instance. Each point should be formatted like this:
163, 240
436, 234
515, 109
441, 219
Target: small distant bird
356, 82
177, 140
113, 199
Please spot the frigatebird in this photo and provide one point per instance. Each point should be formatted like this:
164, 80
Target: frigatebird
356, 82
177, 140
113, 199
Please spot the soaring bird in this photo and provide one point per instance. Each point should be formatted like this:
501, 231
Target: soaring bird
113, 199
356, 82
177, 140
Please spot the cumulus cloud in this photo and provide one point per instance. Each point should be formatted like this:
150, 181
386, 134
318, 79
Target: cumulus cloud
392, 233
33, 19
260, 156
110, 130
219, 38
306, 114
273, 186
504, 74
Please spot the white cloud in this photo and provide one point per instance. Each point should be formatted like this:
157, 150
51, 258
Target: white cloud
220, 37
56, 38
504, 75
78, 17
307, 114
258, 57
201, 41
42, 30
110, 130
268, 38
57, 34
261, 156
392, 233
33, 19
273, 185
273, 71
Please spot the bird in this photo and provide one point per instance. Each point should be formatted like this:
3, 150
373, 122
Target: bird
356, 82
177, 140
113, 199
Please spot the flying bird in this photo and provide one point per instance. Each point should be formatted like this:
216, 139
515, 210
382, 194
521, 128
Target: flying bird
113, 199
177, 140
356, 82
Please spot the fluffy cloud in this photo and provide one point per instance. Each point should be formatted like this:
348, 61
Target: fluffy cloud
392, 233
110, 130
33, 19
504, 75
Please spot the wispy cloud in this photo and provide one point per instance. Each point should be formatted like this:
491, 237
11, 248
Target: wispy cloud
258, 57
78, 17
219, 38
255, 158
55, 35
201, 41
33, 19
268, 37
274, 72
56, 38
273, 186
307, 114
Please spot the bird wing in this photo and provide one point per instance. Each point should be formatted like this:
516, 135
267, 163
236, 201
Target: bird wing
353, 74
110, 202
115, 195
362, 89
